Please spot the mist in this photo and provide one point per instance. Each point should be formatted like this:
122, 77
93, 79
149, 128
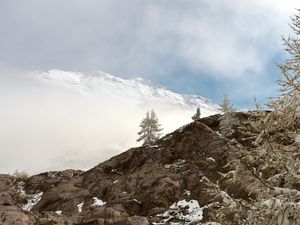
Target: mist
49, 127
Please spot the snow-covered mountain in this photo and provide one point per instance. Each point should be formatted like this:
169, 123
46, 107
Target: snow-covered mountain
140, 90
63, 119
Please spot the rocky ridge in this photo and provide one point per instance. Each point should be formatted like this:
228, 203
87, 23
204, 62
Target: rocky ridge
161, 184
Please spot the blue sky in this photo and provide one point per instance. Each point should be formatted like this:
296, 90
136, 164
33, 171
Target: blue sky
205, 47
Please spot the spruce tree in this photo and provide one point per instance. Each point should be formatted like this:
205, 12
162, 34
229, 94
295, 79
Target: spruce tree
257, 104
150, 129
197, 115
225, 106
227, 120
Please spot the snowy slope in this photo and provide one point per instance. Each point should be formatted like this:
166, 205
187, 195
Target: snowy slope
140, 90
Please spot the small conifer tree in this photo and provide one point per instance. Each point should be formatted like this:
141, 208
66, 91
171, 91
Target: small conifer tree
228, 119
197, 115
257, 104
150, 129
226, 106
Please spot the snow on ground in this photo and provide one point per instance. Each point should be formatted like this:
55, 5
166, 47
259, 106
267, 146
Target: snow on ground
32, 200
187, 211
99, 82
186, 192
58, 212
98, 202
210, 159
79, 207
137, 201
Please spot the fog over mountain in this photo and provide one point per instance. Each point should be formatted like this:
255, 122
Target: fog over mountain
58, 119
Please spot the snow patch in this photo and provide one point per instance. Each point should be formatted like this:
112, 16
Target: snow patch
137, 201
98, 202
79, 207
32, 200
58, 212
99, 82
210, 159
186, 192
187, 211
153, 146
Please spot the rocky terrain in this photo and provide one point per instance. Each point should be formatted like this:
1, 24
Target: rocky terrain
166, 183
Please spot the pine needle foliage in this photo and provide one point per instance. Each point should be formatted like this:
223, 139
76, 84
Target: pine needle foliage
228, 120
271, 166
150, 129
197, 115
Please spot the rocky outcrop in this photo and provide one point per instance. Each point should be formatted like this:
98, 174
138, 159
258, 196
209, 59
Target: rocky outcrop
137, 187
48, 180
10, 213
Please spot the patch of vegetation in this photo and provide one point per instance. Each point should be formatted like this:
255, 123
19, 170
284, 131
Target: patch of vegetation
21, 175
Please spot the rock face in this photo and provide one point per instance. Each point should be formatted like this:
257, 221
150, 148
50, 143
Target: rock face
10, 213
146, 185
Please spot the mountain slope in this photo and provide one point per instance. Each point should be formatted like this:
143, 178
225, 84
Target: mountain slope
136, 187
190, 176
183, 179
140, 90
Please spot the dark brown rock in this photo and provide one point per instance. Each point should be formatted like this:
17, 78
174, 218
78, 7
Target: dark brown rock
137, 220
11, 215
147, 177
136, 185
48, 180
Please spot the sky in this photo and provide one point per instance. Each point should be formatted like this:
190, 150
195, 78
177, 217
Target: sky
205, 47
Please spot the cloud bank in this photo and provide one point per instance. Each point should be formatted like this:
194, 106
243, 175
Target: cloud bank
64, 123
144, 37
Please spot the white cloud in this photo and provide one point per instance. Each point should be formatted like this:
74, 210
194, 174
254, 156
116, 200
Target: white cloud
230, 40
151, 38
65, 122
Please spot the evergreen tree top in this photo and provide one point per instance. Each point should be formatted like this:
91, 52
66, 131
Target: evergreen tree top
150, 129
